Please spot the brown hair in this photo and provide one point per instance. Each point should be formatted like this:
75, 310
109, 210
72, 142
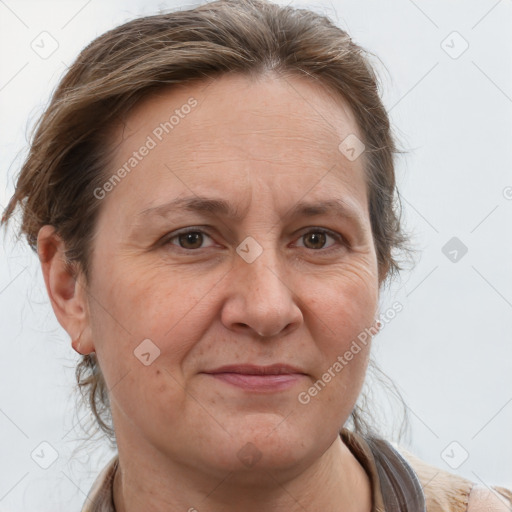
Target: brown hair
68, 156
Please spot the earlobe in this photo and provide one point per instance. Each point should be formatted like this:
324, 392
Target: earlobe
66, 291
76, 343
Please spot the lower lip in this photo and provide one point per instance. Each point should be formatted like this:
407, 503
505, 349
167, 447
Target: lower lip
259, 382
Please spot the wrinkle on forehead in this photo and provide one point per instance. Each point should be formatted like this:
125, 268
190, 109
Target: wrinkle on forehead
269, 95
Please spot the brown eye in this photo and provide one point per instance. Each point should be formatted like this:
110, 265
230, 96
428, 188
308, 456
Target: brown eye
323, 241
190, 240
315, 240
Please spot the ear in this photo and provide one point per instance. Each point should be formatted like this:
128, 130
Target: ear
66, 290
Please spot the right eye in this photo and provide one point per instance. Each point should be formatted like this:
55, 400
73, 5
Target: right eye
190, 239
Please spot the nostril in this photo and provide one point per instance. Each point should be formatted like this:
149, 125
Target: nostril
242, 326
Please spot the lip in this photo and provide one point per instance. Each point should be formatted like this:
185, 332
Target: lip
275, 377
252, 369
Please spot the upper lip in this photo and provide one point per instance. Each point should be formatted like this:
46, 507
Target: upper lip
251, 369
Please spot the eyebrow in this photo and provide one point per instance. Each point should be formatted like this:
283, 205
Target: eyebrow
221, 207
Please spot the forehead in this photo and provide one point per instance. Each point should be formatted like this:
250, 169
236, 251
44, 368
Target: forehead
270, 103
233, 130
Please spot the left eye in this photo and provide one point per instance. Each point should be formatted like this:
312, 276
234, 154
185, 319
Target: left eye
318, 238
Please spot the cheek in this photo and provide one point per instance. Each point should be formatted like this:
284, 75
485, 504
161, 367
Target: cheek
172, 311
343, 314
346, 302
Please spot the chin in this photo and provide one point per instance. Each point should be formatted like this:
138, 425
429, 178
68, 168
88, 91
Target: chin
262, 444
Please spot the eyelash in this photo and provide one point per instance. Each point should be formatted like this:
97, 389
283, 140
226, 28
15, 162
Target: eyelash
337, 237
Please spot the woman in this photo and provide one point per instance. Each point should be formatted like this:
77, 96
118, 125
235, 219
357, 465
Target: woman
211, 195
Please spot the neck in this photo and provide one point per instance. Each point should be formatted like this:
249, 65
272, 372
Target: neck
335, 481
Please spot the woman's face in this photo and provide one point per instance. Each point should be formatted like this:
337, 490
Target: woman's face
279, 270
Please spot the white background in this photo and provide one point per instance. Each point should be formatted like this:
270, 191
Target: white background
449, 350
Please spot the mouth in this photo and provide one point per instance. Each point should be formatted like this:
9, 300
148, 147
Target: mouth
250, 369
275, 377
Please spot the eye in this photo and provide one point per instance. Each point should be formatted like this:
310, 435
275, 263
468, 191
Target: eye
190, 239
317, 239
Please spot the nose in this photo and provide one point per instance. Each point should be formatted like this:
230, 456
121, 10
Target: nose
260, 298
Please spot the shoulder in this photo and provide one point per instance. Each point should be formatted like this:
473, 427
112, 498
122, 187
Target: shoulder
449, 492
99, 498
493, 499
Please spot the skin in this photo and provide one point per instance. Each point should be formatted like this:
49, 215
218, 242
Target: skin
262, 145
